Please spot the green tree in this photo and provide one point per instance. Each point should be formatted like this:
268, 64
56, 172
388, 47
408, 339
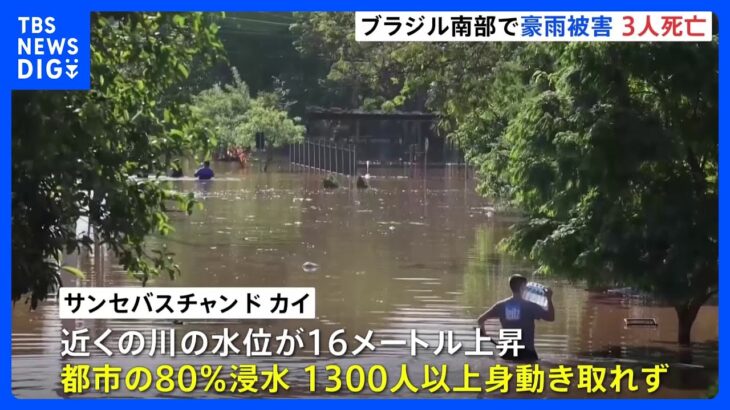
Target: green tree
609, 150
77, 154
613, 157
232, 118
220, 110
359, 74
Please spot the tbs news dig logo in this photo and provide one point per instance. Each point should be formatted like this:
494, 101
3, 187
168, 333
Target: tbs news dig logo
43, 53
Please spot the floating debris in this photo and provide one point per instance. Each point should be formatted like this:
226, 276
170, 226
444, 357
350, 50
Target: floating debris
310, 267
631, 322
361, 183
619, 291
628, 293
330, 183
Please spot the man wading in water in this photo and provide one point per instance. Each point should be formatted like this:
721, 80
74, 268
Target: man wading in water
518, 313
204, 172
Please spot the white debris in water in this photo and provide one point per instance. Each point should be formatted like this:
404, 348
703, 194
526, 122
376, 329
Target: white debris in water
392, 228
310, 267
213, 247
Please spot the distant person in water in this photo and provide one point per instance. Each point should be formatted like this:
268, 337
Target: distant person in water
204, 172
177, 171
518, 313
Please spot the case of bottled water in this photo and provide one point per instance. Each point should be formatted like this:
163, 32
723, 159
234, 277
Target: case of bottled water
536, 293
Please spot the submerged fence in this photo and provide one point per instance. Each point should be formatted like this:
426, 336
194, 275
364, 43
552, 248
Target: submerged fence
325, 156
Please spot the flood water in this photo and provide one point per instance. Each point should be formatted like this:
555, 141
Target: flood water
412, 252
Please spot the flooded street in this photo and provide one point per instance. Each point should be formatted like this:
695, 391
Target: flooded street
411, 252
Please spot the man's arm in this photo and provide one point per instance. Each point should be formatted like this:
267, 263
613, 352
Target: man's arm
550, 314
491, 313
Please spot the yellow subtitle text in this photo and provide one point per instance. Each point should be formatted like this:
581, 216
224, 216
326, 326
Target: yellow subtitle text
329, 379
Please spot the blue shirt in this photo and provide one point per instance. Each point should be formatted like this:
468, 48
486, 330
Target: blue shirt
521, 314
204, 173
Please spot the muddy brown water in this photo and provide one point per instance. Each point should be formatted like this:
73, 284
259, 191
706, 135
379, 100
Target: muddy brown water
414, 251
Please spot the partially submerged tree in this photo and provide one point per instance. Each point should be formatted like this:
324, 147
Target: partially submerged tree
233, 119
218, 112
76, 154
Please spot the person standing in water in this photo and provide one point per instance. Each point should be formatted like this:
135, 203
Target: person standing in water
518, 313
204, 172
177, 171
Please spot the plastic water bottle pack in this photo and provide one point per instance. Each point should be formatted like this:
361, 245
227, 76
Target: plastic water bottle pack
536, 293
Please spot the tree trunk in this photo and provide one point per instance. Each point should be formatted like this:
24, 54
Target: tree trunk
686, 315
269, 157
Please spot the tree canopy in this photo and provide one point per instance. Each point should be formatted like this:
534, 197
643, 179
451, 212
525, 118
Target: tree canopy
609, 150
77, 154
232, 118
613, 157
